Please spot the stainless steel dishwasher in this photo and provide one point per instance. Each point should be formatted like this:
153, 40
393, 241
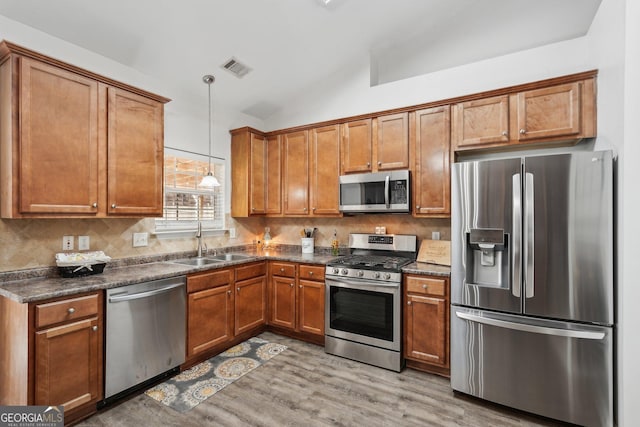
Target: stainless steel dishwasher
145, 332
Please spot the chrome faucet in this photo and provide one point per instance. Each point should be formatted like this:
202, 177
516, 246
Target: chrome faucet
199, 237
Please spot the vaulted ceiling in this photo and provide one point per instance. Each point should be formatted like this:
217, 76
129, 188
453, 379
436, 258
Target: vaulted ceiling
292, 44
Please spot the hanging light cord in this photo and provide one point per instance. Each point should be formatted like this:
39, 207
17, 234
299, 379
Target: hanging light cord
208, 79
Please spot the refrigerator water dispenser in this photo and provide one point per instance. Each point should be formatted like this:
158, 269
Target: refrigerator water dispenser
487, 253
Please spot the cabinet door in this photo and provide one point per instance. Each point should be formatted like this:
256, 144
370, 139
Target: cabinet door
58, 140
355, 151
311, 306
282, 303
295, 153
323, 174
549, 112
250, 304
210, 319
426, 329
257, 174
273, 194
432, 177
481, 122
392, 142
135, 154
68, 363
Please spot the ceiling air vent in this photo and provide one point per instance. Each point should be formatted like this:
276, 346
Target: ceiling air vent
236, 67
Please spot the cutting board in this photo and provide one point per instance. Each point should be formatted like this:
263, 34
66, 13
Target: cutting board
435, 252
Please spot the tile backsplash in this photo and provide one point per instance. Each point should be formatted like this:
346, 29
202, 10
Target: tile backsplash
33, 243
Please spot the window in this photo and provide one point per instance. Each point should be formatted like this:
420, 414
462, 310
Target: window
184, 203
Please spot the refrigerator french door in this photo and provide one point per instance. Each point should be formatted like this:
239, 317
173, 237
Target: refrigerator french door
532, 284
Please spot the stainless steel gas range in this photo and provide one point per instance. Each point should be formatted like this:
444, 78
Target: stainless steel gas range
363, 299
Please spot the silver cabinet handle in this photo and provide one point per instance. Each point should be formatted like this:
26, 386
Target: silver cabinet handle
368, 164
71, 310
94, 329
522, 131
238, 290
291, 285
229, 292
113, 205
504, 133
94, 205
313, 208
379, 163
300, 286
311, 273
417, 206
424, 287
408, 302
282, 269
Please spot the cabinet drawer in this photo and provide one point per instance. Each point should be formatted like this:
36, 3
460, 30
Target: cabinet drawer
312, 272
211, 279
65, 310
285, 269
252, 270
425, 285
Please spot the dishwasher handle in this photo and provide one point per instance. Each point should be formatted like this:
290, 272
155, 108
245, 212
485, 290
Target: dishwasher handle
146, 294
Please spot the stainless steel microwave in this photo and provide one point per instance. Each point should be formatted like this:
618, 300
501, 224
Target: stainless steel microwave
377, 192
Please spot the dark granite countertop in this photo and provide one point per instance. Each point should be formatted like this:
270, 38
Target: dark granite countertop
32, 289
427, 269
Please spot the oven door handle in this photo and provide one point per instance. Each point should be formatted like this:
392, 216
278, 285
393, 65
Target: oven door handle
361, 283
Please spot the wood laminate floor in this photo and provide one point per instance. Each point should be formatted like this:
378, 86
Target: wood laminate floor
303, 386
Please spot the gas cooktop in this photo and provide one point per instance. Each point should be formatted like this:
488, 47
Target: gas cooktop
371, 262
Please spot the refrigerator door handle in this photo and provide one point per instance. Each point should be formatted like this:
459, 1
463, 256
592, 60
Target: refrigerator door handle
528, 236
516, 219
569, 333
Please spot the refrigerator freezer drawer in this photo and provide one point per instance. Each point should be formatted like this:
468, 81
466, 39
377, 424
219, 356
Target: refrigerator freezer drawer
556, 369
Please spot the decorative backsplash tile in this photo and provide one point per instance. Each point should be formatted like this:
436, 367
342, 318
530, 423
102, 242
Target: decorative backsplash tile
33, 243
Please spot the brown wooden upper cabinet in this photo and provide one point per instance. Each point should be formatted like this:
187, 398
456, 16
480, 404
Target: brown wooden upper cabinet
323, 172
77, 144
558, 113
372, 145
295, 168
256, 173
430, 147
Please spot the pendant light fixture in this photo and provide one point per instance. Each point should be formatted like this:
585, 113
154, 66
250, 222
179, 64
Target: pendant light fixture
209, 181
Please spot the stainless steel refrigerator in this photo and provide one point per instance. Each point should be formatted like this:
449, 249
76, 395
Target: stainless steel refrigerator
532, 284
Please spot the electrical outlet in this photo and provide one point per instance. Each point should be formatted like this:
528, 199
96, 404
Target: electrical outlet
232, 233
67, 243
83, 243
435, 235
140, 239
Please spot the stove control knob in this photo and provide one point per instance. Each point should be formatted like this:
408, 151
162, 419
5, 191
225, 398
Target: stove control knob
345, 271
376, 275
387, 276
360, 273
336, 270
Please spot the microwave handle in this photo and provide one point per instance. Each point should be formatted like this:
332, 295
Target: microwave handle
386, 191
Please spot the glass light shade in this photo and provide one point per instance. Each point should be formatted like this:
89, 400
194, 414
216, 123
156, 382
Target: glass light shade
209, 181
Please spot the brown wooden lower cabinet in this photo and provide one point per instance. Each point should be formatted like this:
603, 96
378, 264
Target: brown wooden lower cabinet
223, 304
296, 299
52, 353
426, 323
210, 310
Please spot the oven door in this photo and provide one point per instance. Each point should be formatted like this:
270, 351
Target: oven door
363, 311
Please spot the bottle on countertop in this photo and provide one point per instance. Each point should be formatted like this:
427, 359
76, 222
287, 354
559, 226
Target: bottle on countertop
335, 244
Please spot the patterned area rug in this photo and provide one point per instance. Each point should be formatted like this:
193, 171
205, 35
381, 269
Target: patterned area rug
193, 386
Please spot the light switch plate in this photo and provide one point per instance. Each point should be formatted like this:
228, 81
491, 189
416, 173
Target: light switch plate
435, 235
232, 233
140, 239
83, 243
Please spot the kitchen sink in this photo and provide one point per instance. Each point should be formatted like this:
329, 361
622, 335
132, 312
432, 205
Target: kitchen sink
229, 257
198, 262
